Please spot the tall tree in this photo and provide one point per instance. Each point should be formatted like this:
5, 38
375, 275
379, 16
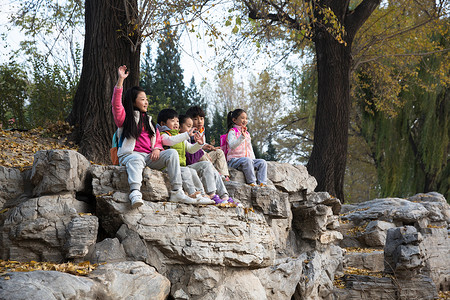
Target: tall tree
332, 26
193, 95
105, 48
168, 85
114, 32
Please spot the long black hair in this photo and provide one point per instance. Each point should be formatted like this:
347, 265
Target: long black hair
130, 128
233, 115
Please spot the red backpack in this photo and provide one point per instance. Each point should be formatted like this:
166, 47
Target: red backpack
223, 141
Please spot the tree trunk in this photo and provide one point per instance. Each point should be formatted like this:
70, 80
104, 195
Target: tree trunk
329, 153
104, 51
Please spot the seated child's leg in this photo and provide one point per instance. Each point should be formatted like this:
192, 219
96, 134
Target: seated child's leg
261, 170
205, 171
188, 183
219, 161
168, 158
221, 189
244, 164
135, 164
197, 182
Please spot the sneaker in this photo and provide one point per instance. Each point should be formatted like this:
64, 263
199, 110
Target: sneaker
262, 185
217, 200
180, 196
136, 198
204, 201
252, 184
235, 202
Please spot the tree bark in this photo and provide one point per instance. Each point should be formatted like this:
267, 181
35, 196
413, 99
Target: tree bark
105, 49
329, 154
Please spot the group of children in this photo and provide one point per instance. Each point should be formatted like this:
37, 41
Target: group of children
177, 144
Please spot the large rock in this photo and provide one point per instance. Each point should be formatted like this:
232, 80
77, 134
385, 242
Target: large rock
116, 281
197, 235
48, 228
129, 280
402, 253
393, 210
112, 179
289, 178
56, 171
11, 184
375, 233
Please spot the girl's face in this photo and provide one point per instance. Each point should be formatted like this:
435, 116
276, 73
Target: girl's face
241, 120
186, 126
141, 102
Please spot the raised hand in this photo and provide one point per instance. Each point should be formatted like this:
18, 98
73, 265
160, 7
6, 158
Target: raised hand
122, 71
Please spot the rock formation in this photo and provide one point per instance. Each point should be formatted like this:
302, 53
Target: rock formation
286, 243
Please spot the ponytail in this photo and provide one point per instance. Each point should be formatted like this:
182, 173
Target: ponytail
233, 115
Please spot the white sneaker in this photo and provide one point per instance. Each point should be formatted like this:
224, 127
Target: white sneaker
203, 200
136, 199
180, 196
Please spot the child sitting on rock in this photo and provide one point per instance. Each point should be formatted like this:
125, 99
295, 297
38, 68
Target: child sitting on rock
215, 154
240, 153
168, 125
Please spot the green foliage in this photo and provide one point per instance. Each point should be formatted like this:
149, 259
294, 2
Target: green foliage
168, 86
193, 95
13, 91
218, 126
51, 94
163, 79
411, 145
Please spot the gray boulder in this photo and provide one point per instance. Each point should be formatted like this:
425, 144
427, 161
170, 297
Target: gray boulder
48, 228
56, 171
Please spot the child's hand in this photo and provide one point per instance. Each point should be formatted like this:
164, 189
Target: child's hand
198, 138
243, 129
122, 71
155, 154
192, 131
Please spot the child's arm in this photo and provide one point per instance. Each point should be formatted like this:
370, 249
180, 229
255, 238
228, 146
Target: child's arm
168, 140
116, 102
233, 141
192, 148
158, 142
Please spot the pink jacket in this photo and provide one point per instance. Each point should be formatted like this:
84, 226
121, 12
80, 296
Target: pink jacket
129, 144
239, 145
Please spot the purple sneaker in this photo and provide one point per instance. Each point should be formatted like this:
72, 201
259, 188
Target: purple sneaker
217, 199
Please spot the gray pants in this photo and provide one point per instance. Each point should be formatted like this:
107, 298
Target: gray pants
191, 181
136, 162
211, 179
248, 166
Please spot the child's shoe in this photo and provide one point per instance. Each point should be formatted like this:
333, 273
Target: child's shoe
235, 202
217, 200
180, 196
136, 198
252, 184
204, 200
262, 185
